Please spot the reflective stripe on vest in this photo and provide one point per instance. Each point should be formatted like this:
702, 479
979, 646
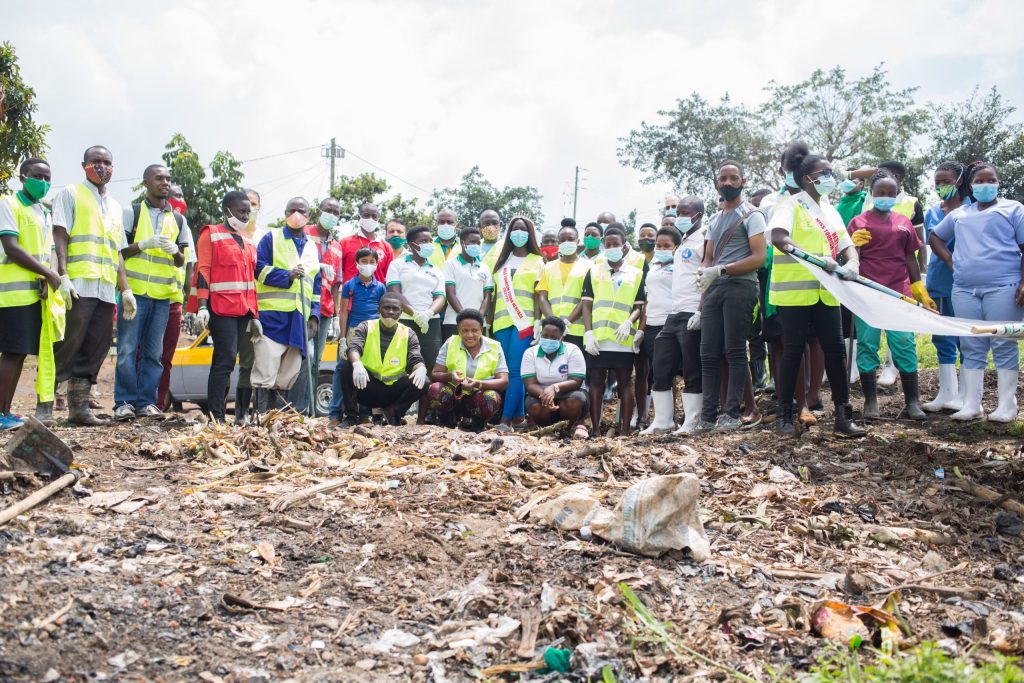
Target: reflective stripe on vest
392, 366
94, 239
232, 291
791, 283
486, 360
612, 307
20, 286
152, 273
523, 283
299, 295
564, 296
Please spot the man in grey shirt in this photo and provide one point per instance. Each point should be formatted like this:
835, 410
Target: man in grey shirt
734, 250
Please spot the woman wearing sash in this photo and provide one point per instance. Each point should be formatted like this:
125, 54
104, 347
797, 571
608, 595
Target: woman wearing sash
817, 228
469, 375
516, 271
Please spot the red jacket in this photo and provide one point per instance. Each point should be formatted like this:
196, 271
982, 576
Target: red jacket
228, 272
331, 253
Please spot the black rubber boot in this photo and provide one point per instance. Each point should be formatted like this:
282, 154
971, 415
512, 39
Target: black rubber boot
784, 422
243, 397
262, 400
844, 425
911, 396
869, 385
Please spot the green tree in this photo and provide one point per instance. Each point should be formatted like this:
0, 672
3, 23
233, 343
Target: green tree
475, 194
688, 146
353, 191
855, 121
203, 192
980, 127
20, 136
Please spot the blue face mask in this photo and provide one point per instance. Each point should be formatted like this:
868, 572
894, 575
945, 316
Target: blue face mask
519, 238
670, 212
791, 181
549, 345
568, 248
472, 250
985, 192
425, 250
824, 185
328, 220
662, 255
847, 186
884, 204
613, 254
446, 232
684, 223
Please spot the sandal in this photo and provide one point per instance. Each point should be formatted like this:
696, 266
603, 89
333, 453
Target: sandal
581, 433
807, 418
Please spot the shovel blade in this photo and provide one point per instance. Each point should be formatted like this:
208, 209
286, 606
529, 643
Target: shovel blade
40, 449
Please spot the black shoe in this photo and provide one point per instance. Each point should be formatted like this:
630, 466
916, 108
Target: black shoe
784, 422
347, 422
869, 385
911, 396
242, 399
844, 424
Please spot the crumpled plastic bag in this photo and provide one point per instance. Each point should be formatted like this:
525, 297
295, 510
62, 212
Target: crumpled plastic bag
655, 515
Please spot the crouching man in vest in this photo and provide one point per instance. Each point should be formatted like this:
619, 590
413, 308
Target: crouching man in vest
385, 368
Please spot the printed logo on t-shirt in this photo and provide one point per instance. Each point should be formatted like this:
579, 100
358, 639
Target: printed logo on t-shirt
687, 254
563, 369
395, 362
481, 275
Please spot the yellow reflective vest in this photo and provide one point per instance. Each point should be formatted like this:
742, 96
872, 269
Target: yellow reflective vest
791, 283
297, 297
612, 305
20, 286
486, 361
565, 295
94, 240
523, 283
152, 273
438, 258
391, 366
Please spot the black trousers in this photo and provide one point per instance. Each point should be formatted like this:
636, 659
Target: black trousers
87, 337
430, 341
447, 332
401, 394
827, 323
725, 319
675, 347
227, 333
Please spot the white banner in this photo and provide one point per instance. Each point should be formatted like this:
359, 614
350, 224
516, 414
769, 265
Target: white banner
889, 313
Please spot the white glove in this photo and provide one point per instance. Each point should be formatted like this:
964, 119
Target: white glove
638, 341
335, 329
255, 328
422, 319
537, 327
851, 271
360, 377
705, 276
830, 264
128, 305
67, 290
342, 347
327, 270
419, 376
153, 242
590, 343
693, 324
169, 247
623, 331
202, 318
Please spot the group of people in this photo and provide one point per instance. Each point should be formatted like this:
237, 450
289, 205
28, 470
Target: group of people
497, 322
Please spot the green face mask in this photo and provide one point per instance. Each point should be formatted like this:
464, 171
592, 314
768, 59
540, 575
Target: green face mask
36, 189
397, 242
591, 242
945, 192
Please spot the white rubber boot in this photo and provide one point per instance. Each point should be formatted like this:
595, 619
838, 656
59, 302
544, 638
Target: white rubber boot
851, 348
889, 374
973, 383
948, 397
1006, 411
664, 413
692, 405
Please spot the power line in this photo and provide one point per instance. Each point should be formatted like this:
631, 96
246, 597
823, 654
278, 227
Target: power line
279, 154
396, 177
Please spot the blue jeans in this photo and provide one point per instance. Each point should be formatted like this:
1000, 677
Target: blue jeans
946, 348
336, 409
140, 343
298, 395
514, 348
989, 303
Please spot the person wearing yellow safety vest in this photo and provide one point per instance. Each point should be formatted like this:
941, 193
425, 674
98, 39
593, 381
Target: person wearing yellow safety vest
560, 288
516, 271
286, 264
153, 261
88, 236
25, 276
385, 369
446, 245
613, 299
469, 376
805, 221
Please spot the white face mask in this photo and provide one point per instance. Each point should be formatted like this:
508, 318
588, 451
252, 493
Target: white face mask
236, 224
388, 322
369, 225
367, 269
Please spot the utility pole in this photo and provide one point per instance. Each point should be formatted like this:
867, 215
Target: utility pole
575, 192
332, 152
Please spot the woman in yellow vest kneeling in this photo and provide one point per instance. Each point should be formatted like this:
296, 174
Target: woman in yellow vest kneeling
469, 376
385, 368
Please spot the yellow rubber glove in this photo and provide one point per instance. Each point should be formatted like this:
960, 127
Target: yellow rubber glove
861, 237
921, 294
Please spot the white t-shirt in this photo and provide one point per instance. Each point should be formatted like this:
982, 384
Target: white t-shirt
689, 254
659, 292
567, 363
470, 280
420, 284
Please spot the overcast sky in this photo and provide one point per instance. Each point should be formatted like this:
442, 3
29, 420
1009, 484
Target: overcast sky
427, 89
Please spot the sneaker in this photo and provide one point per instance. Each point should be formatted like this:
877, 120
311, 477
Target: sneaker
727, 423
9, 422
703, 427
124, 412
150, 411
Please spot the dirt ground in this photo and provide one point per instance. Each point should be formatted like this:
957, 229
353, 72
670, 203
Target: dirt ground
186, 553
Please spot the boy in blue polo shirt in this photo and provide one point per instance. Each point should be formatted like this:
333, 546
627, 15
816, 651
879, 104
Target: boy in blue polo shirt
360, 297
